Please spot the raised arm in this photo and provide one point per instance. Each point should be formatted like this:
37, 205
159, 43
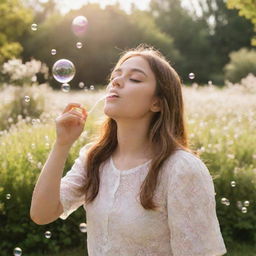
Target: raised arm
45, 205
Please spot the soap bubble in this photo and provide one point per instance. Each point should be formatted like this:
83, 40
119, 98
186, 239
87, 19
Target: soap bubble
79, 25
91, 87
34, 27
65, 87
63, 70
53, 51
244, 210
246, 203
225, 201
8, 196
191, 75
17, 251
83, 227
81, 85
233, 183
27, 99
48, 234
79, 45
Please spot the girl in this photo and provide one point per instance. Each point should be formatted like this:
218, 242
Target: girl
144, 191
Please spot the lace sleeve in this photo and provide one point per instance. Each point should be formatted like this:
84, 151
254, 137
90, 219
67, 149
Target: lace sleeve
70, 196
192, 219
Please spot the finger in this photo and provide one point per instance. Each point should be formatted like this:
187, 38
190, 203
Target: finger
67, 117
70, 106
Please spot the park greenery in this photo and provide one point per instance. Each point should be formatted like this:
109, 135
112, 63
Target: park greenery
217, 45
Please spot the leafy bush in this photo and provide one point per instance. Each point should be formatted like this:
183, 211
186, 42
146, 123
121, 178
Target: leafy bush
22, 102
21, 159
241, 63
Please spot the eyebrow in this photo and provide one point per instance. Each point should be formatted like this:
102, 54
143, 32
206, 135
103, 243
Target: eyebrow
132, 70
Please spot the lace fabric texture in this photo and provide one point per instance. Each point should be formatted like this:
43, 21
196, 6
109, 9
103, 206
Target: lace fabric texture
185, 223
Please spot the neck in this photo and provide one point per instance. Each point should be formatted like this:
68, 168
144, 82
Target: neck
133, 141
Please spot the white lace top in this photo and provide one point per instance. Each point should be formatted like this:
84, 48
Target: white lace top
117, 225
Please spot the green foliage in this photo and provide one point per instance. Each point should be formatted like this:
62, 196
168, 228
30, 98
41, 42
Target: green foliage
22, 156
15, 107
247, 8
15, 19
110, 31
241, 64
204, 41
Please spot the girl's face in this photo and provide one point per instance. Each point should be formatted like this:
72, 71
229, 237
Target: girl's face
134, 84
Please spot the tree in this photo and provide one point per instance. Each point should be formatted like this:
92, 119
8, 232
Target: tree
247, 8
110, 31
204, 40
15, 20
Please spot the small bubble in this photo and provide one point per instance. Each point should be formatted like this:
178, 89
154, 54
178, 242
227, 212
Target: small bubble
65, 87
63, 70
48, 234
53, 51
225, 201
27, 99
83, 227
191, 75
233, 183
81, 85
79, 45
34, 27
91, 87
79, 25
244, 210
17, 251
8, 196
246, 203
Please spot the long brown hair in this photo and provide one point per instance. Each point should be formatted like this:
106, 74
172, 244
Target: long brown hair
167, 128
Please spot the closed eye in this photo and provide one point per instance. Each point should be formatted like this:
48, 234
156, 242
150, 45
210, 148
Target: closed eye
134, 80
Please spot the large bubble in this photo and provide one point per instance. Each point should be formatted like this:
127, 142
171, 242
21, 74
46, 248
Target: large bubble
79, 25
63, 70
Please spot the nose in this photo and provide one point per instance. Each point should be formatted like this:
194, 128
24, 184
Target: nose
117, 82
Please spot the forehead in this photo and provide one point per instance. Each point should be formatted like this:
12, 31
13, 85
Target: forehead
137, 62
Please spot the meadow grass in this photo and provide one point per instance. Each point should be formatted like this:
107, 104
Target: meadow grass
221, 127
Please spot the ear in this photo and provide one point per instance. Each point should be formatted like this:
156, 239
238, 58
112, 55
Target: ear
156, 105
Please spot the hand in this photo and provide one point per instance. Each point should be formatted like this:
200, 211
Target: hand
70, 124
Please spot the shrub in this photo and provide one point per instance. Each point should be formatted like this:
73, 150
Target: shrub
241, 63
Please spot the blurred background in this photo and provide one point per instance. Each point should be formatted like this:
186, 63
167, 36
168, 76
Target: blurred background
210, 43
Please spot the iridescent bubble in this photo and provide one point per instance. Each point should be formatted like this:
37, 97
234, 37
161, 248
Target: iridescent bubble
91, 87
233, 183
8, 196
244, 210
53, 51
246, 203
191, 75
65, 87
81, 85
83, 227
225, 201
48, 234
79, 25
17, 251
79, 45
27, 99
63, 70
34, 27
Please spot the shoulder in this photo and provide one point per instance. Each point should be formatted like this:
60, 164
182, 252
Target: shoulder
184, 163
84, 150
